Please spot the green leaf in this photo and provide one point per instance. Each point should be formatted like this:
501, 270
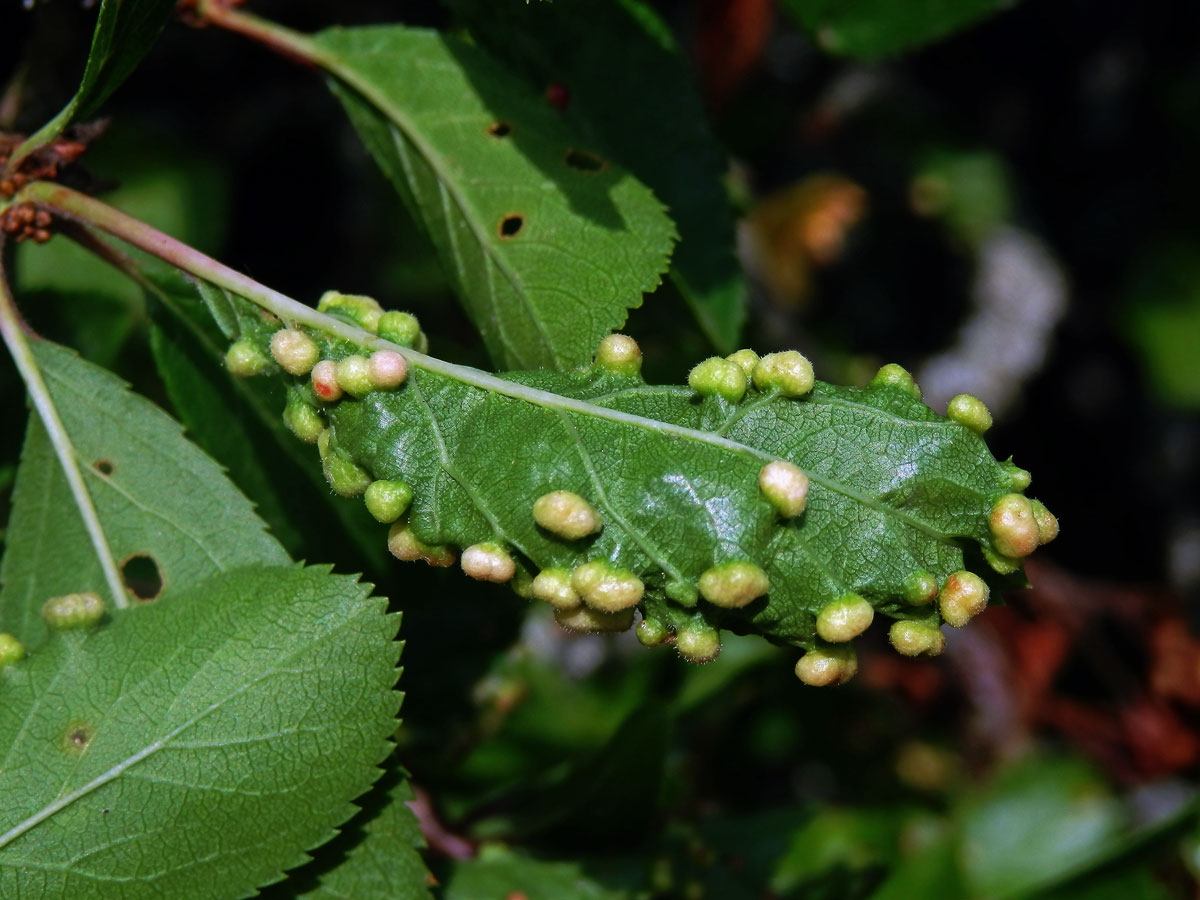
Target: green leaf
498, 872
195, 748
546, 243
875, 29
930, 872
156, 496
374, 858
1037, 821
854, 840
125, 32
647, 114
1161, 314
896, 489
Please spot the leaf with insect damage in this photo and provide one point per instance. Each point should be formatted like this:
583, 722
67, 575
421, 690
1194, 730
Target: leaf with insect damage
547, 242
684, 510
197, 747
169, 515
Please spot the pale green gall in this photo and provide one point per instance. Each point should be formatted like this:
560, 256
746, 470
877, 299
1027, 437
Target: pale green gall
734, 584
553, 586
698, 644
586, 620
488, 562
244, 360
567, 515
894, 375
920, 587
387, 501
354, 375
294, 351
400, 328
844, 619
789, 373
785, 485
407, 547
81, 610
11, 650
1014, 526
916, 639
620, 355
365, 312
969, 410
827, 665
302, 420
746, 358
964, 595
717, 377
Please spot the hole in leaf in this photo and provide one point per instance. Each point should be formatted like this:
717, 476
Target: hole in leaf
76, 738
103, 466
142, 577
582, 161
499, 129
511, 225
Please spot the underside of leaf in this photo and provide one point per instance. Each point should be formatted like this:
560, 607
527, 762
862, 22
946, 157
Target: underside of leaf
688, 487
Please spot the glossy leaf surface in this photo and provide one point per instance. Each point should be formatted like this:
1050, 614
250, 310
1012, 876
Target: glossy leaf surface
895, 488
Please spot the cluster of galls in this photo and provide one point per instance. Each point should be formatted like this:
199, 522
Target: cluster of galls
357, 375
788, 374
24, 221
597, 596
1017, 524
65, 613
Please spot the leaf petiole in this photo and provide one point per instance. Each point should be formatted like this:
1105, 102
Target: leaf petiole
89, 211
18, 346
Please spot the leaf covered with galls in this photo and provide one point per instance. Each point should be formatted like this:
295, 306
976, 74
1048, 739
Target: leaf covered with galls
755, 499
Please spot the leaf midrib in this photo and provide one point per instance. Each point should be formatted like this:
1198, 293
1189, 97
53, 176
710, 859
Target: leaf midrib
399, 122
153, 747
477, 378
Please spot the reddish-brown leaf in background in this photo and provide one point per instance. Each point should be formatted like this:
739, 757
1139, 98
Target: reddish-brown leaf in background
730, 38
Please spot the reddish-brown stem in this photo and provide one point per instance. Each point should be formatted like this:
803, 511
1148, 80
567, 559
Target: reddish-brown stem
437, 836
284, 41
